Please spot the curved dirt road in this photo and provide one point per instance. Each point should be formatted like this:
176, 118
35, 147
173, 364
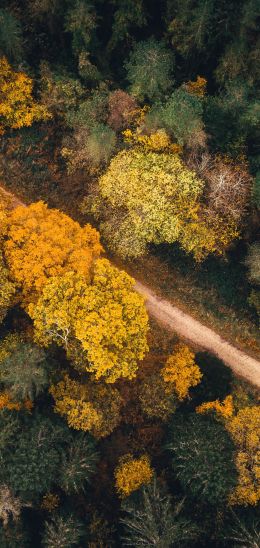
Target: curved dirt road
175, 320
190, 329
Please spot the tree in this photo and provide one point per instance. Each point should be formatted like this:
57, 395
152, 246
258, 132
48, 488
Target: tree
42, 243
131, 474
253, 263
24, 372
146, 197
128, 16
244, 429
31, 464
181, 116
81, 22
180, 372
10, 506
7, 289
107, 317
152, 520
14, 536
60, 92
62, 531
91, 407
17, 106
134, 183
202, 457
155, 399
78, 464
229, 187
225, 409
149, 70
89, 148
11, 43
122, 107
242, 530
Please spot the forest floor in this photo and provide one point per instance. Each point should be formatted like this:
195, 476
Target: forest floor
188, 328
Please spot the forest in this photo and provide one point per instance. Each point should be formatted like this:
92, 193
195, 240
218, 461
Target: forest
129, 150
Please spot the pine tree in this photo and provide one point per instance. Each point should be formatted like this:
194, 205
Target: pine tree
78, 464
25, 372
62, 532
152, 520
202, 457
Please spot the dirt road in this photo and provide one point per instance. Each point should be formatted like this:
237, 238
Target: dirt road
191, 330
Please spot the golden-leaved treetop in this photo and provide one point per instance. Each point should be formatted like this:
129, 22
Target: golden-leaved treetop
132, 473
107, 317
244, 428
92, 406
17, 106
42, 243
181, 372
149, 197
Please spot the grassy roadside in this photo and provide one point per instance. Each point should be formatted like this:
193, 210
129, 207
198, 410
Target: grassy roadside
203, 304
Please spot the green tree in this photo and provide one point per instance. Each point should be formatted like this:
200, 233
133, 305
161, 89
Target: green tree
78, 464
128, 16
62, 531
81, 22
14, 536
31, 463
242, 530
182, 117
151, 520
25, 372
202, 457
149, 70
11, 43
253, 263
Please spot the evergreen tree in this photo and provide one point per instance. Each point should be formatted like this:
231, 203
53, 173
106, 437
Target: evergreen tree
151, 520
202, 457
11, 43
149, 70
77, 464
25, 372
31, 463
62, 532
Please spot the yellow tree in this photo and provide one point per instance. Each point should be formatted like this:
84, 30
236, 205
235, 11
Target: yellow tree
131, 474
42, 243
106, 317
93, 407
245, 431
17, 106
181, 372
150, 197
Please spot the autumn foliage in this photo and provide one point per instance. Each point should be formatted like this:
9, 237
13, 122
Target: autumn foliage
132, 473
42, 243
107, 317
17, 106
181, 372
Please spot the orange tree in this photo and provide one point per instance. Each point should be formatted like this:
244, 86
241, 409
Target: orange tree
44, 242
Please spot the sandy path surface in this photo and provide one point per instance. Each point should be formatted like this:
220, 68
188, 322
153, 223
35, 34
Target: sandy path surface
187, 327
190, 329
